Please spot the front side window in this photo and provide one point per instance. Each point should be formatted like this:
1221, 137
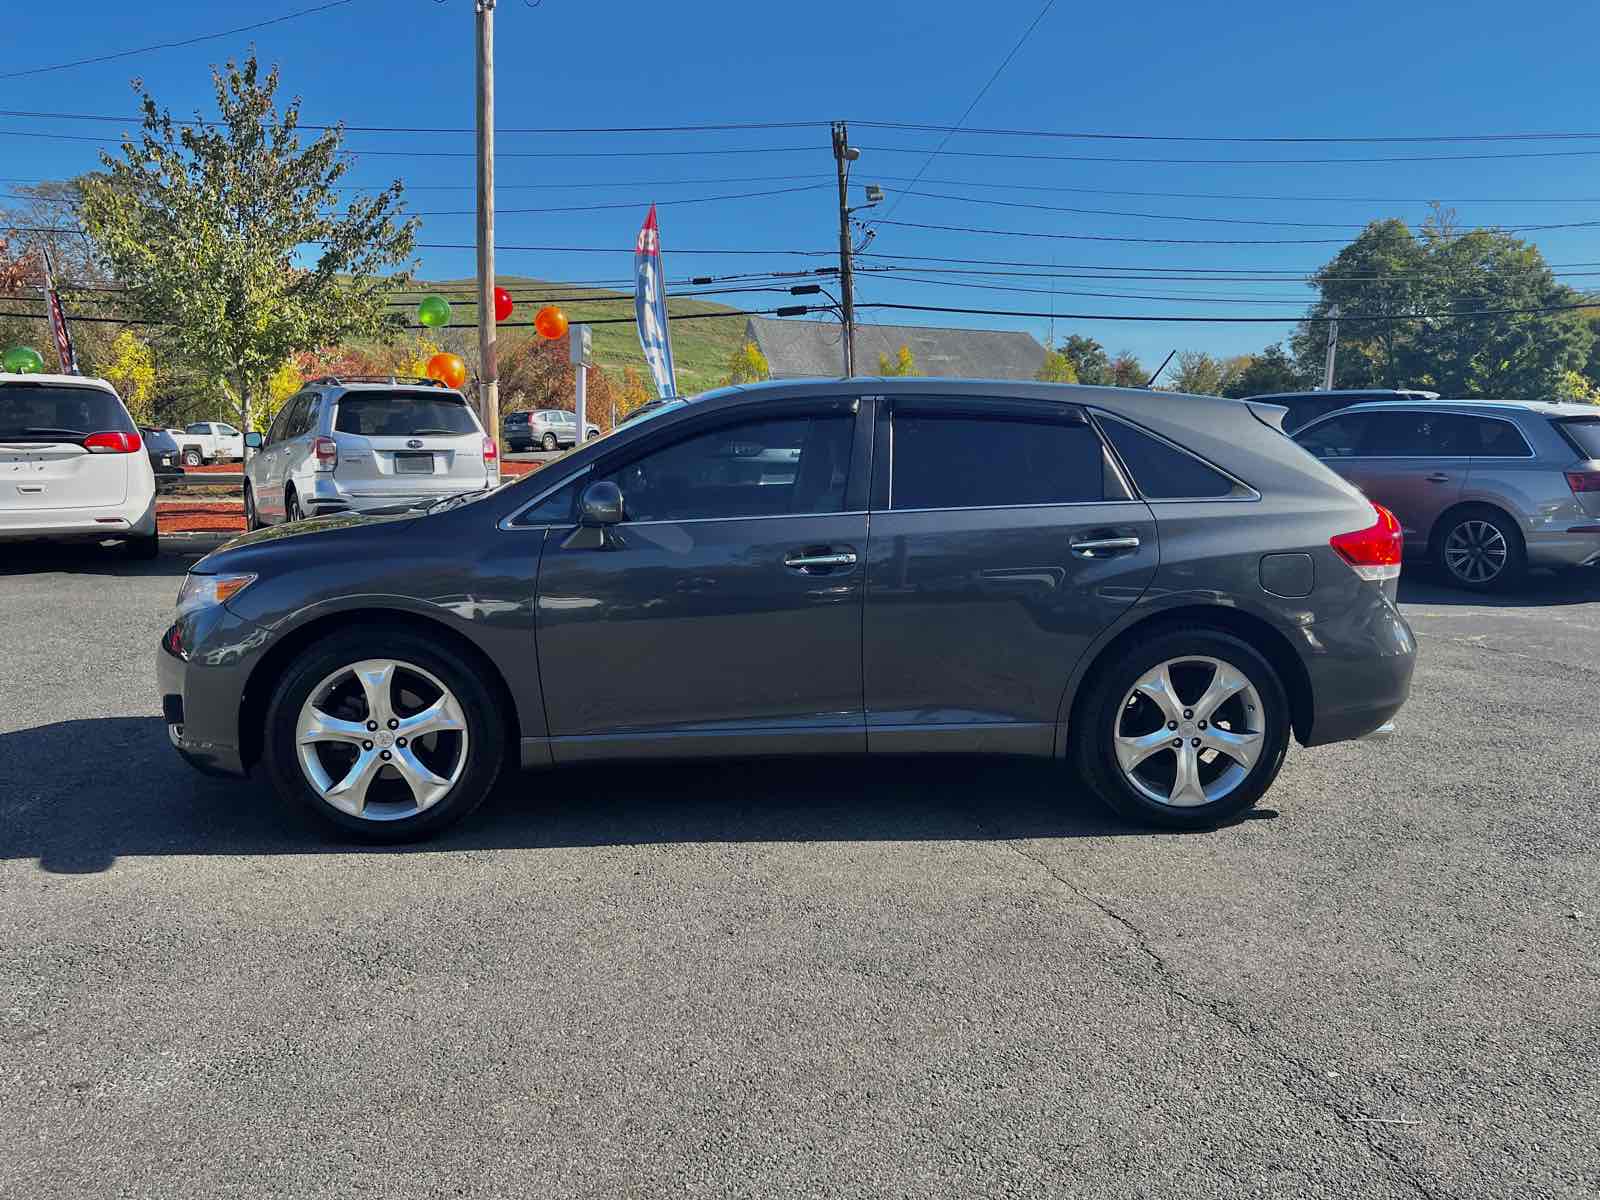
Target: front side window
775, 467
557, 508
402, 414
1163, 472
280, 422
227, 431
969, 461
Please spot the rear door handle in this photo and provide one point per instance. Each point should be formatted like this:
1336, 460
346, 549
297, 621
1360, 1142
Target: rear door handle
1096, 547
801, 562
1438, 477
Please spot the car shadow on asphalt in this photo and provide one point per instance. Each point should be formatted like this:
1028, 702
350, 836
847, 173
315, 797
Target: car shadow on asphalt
75, 812
1537, 589
105, 558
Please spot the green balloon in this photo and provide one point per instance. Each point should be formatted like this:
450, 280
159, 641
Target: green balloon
434, 311
23, 360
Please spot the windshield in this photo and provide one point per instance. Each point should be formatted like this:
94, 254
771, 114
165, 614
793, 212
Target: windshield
33, 412
403, 414
1585, 431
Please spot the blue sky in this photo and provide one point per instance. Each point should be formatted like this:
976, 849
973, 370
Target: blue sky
1270, 70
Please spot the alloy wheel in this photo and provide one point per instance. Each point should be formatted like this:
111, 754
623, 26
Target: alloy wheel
1189, 731
381, 740
1475, 551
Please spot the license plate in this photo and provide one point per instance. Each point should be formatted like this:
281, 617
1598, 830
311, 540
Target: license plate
166, 460
413, 464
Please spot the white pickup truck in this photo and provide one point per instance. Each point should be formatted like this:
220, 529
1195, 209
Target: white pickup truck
208, 441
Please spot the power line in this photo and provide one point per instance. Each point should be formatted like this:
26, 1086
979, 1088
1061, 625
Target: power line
1099, 237
983, 91
205, 37
718, 127
1220, 320
1229, 139
1237, 162
1086, 191
638, 204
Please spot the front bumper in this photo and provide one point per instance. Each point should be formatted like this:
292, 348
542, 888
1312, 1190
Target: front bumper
202, 663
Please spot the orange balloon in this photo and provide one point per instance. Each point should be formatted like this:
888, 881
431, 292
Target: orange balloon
551, 322
448, 369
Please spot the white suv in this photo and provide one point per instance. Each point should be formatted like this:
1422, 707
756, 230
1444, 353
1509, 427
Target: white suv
343, 445
72, 464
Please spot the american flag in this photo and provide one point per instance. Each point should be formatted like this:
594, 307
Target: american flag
58, 320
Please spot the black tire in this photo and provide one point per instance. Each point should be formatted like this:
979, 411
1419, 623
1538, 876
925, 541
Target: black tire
549, 441
252, 519
1468, 522
292, 508
193, 458
1101, 708
143, 548
486, 731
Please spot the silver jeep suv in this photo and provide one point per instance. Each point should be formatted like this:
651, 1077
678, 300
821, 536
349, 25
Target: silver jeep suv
1484, 488
356, 444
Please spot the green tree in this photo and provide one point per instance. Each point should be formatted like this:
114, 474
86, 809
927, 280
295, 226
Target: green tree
1198, 374
1576, 388
132, 371
1056, 368
206, 225
1126, 371
903, 364
1272, 370
1089, 361
747, 364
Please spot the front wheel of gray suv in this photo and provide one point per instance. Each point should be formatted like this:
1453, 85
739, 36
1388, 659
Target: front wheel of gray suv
384, 733
1480, 548
1186, 729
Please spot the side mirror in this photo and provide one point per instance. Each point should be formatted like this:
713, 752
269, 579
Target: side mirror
600, 505
253, 440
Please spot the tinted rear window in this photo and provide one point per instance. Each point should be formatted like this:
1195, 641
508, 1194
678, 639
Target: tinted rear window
1163, 472
402, 414
988, 462
1585, 433
52, 412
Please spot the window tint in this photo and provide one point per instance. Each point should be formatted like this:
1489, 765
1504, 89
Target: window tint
197, 427
296, 422
755, 469
1163, 472
558, 507
402, 414
1585, 432
1494, 438
1413, 435
279, 423
1337, 437
981, 462
31, 412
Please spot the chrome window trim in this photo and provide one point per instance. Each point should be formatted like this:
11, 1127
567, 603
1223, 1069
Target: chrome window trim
889, 512
1095, 415
753, 517
508, 522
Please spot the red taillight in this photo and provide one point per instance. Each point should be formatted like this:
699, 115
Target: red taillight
1373, 552
1583, 481
326, 451
113, 443
491, 452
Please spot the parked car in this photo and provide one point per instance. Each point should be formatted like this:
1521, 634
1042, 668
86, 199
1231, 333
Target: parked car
351, 445
165, 457
209, 441
1160, 593
1484, 489
72, 464
1305, 407
547, 428
645, 409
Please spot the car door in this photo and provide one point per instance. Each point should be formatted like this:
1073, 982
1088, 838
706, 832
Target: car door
1413, 461
1004, 539
724, 613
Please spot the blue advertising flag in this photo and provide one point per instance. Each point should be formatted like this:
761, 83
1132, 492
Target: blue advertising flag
650, 307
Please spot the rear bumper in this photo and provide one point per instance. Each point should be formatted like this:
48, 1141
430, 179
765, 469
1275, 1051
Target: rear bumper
1571, 548
1360, 665
328, 495
135, 518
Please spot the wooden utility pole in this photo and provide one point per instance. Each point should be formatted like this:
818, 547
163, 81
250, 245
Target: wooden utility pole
843, 155
1333, 348
488, 367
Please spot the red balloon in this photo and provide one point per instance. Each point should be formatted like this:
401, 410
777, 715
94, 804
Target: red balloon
448, 369
502, 304
551, 322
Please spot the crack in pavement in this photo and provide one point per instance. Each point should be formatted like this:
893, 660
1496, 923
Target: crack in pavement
1350, 1121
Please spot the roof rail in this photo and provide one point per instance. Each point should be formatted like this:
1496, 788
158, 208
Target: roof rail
340, 380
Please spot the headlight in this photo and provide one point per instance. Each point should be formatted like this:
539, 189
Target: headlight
207, 591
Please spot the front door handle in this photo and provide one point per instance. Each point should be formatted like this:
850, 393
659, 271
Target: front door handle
1096, 547
801, 562
1438, 477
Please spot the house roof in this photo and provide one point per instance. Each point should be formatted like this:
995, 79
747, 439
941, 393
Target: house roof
808, 349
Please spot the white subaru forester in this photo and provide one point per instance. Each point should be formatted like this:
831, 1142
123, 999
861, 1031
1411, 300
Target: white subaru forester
72, 464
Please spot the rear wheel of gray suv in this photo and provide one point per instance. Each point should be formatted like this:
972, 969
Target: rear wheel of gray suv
1186, 729
549, 441
1480, 548
386, 734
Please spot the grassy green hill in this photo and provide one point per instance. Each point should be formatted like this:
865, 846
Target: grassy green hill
701, 347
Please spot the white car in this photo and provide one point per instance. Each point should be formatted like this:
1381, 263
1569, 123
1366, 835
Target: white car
207, 441
72, 464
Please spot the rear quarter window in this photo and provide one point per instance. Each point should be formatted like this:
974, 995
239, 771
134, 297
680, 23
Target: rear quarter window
402, 414
1164, 472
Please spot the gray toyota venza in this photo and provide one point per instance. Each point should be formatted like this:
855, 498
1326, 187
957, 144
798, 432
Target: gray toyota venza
1157, 589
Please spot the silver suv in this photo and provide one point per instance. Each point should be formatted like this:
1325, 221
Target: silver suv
1485, 489
342, 445
547, 428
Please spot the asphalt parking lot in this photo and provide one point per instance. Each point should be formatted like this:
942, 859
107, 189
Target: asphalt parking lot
822, 979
